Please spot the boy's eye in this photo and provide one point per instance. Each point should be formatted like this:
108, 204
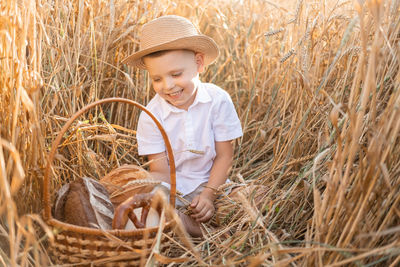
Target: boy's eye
176, 74
156, 80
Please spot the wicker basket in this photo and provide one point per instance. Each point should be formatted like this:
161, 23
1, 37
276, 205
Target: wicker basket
85, 246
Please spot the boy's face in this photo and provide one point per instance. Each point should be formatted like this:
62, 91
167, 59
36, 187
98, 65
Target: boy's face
175, 76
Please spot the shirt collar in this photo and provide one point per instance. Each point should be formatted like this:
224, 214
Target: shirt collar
202, 96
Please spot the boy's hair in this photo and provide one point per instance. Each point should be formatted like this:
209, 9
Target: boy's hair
157, 54
163, 52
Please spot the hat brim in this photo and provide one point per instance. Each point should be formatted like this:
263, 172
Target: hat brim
199, 43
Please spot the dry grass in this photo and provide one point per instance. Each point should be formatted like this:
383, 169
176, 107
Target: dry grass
316, 86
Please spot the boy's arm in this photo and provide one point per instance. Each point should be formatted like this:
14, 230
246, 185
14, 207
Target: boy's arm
159, 167
203, 204
221, 166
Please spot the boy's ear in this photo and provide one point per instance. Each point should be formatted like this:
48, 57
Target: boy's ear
199, 57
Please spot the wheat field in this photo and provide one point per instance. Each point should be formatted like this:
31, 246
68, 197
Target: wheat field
316, 85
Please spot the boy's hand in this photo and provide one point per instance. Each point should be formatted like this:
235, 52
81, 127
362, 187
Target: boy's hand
203, 206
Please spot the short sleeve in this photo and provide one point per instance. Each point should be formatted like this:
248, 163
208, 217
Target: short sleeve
226, 124
149, 138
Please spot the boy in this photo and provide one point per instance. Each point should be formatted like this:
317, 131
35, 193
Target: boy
199, 118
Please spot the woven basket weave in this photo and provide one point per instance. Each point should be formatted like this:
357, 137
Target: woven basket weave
85, 246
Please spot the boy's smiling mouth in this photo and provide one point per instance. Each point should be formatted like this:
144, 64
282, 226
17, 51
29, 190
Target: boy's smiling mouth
176, 94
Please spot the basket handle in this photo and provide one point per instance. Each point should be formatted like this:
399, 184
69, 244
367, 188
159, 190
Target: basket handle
57, 141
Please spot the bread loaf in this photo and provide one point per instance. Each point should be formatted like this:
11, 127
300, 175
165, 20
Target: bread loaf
84, 202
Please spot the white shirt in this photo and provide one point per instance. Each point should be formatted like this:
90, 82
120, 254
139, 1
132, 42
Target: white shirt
212, 117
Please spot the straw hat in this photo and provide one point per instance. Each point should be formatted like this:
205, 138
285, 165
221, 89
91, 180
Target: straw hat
170, 33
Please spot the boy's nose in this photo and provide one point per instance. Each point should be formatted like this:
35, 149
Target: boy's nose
168, 83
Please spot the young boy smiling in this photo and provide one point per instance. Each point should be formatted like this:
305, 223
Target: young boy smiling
199, 118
